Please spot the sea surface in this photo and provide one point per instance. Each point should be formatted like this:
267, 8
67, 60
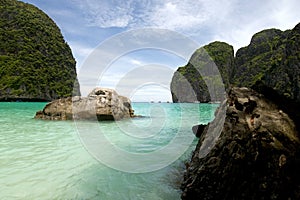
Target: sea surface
50, 159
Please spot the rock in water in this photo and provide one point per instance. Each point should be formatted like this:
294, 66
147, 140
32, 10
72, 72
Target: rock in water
101, 104
255, 157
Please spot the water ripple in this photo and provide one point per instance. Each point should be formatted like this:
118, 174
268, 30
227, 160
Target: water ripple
45, 159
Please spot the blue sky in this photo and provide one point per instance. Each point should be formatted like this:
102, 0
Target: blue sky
86, 24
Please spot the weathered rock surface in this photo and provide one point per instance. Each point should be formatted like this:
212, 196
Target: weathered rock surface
255, 157
101, 104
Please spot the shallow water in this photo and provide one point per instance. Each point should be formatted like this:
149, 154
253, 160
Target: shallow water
47, 159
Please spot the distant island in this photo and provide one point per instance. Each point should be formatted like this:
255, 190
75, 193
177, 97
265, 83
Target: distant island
36, 64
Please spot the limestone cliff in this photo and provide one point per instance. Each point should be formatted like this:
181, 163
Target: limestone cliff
192, 82
270, 61
36, 64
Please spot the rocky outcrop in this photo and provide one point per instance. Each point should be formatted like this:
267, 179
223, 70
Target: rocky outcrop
198, 80
252, 61
256, 155
271, 60
36, 64
100, 104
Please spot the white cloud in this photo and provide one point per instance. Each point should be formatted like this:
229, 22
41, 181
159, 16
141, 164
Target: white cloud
231, 21
171, 14
178, 15
135, 62
247, 18
286, 15
106, 13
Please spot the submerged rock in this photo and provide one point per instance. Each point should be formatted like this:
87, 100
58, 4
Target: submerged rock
100, 104
255, 157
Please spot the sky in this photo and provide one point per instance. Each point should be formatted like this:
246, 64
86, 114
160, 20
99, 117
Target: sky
140, 43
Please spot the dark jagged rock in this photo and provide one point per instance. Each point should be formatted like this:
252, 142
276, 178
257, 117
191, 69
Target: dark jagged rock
36, 64
198, 129
198, 80
101, 104
255, 157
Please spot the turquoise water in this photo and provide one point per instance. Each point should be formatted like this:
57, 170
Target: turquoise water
50, 160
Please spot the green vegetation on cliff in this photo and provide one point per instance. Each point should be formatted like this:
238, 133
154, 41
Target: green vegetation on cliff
198, 80
35, 61
271, 62
252, 61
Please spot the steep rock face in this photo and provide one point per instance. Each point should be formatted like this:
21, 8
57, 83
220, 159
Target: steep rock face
277, 69
35, 62
194, 81
101, 104
255, 157
271, 61
252, 62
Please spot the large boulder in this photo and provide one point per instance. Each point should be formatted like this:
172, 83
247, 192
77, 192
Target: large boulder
100, 104
256, 155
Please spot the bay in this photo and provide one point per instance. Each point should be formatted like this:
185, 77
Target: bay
48, 159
